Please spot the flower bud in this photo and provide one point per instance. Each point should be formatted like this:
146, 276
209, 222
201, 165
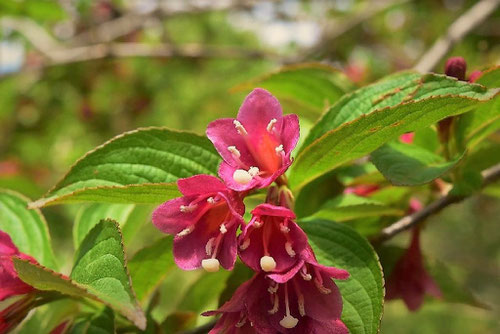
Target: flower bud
456, 67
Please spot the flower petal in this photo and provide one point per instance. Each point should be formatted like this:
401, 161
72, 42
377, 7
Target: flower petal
290, 132
7, 247
258, 109
200, 184
266, 209
168, 217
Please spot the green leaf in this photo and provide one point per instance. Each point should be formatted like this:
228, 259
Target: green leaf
150, 265
100, 323
310, 86
410, 165
100, 266
139, 166
348, 207
90, 215
365, 134
471, 128
340, 246
388, 92
27, 228
490, 78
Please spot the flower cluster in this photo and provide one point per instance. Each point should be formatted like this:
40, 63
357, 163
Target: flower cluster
290, 291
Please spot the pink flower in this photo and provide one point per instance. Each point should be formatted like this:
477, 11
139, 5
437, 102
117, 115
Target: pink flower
409, 280
407, 138
362, 189
475, 75
303, 300
10, 283
13, 314
256, 146
204, 223
271, 239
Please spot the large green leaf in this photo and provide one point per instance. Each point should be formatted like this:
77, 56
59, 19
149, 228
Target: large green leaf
388, 92
100, 266
150, 266
139, 166
27, 228
471, 128
365, 134
348, 207
410, 165
340, 246
90, 215
310, 86
99, 323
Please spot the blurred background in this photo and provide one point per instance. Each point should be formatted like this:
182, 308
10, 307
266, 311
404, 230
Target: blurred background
75, 73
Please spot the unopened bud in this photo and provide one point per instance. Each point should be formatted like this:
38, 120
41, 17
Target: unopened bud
456, 67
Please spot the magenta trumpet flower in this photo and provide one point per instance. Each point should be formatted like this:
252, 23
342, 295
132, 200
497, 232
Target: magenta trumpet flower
204, 222
256, 146
10, 283
302, 300
271, 240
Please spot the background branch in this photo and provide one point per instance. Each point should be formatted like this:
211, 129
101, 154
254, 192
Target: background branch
457, 30
489, 176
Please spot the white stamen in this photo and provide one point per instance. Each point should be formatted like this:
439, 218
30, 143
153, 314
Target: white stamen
276, 305
302, 309
188, 208
306, 277
223, 228
289, 322
270, 125
267, 263
284, 229
239, 127
185, 231
253, 171
321, 288
289, 249
210, 265
241, 176
279, 149
257, 224
234, 151
211, 200
242, 321
209, 246
273, 289
245, 244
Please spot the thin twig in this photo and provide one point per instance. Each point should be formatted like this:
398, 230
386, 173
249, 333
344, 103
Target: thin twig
457, 30
489, 176
335, 29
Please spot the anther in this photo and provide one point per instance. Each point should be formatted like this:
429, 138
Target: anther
211, 200
241, 176
276, 305
267, 263
273, 289
279, 149
243, 320
270, 125
321, 288
185, 231
234, 151
302, 309
253, 171
209, 246
210, 265
245, 244
223, 228
257, 224
289, 249
284, 229
289, 321
188, 208
240, 128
